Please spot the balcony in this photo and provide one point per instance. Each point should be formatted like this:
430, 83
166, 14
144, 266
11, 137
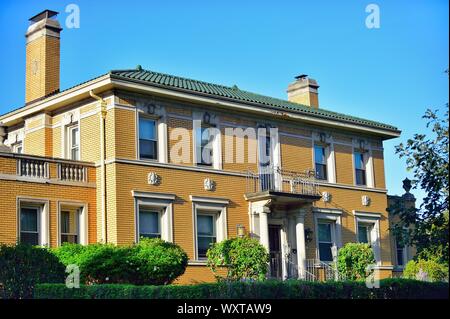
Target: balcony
38, 169
276, 181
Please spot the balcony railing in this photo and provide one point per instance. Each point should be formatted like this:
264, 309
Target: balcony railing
72, 172
33, 168
272, 178
46, 169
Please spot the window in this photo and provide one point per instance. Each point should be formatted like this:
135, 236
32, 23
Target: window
360, 169
320, 162
29, 225
74, 143
148, 142
206, 233
149, 223
326, 242
364, 231
69, 226
17, 148
204, 146
400, 255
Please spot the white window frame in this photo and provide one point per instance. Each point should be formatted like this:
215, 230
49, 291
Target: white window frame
209, 206
156, 201
215, 143
82, 209
326, 155
43, 218
156, 120
214, 216
405, 255
16, 147
68, 141
158, 210
372, 219
332, 216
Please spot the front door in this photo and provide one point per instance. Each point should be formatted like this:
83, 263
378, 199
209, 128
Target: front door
275, 251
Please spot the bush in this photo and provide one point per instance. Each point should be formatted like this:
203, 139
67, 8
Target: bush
353, 259
432, 270
244, 258
157, 262
23, 266
269, 289
98, 263
152, 261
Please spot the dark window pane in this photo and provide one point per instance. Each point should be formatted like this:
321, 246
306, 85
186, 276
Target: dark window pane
363, 234
205, 225
203, 244
360, 177
325, 232
359, 160
149, 224
321, 171
325, 252
73, 239
147, 149
400, 256
204, 148
29, 219
65, 222
29, 238
150, 235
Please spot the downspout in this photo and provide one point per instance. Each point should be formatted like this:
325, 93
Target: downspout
102, 165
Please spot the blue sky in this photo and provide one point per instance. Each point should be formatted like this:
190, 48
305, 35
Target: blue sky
391, 74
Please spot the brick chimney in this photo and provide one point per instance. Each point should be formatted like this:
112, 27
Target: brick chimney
304, 90
42, 56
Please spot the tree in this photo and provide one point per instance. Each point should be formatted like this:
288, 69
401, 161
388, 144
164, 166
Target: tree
427, 157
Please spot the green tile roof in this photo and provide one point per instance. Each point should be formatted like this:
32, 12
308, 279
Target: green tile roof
234, 93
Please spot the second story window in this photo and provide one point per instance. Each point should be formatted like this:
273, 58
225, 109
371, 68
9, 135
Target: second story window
204, 146
74, 142
360, 168
320, 162
148, 143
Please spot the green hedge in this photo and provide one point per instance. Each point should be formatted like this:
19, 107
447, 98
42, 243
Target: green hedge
290, 289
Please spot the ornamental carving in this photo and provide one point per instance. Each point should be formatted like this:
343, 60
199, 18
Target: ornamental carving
365, 200
326, 197
153, 178
209, 184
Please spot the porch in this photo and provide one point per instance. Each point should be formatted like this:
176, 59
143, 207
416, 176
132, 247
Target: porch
279, 200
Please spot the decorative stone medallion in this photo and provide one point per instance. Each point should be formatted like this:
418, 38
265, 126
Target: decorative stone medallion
365, 200
326, 197
153, 178
209, 184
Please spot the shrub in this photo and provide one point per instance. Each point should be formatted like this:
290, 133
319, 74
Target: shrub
157, 262
152, 261
98, 263
244, 258
268, 289
353, 260
431, 269
23, 266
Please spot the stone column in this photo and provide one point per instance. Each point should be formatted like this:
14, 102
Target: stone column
301, 247
263, 227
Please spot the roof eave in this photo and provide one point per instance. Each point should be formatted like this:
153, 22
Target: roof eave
120, 82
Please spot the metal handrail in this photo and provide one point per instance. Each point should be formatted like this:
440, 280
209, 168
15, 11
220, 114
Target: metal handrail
273, 178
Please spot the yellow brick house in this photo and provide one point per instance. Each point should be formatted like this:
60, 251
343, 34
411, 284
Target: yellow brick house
120, 156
